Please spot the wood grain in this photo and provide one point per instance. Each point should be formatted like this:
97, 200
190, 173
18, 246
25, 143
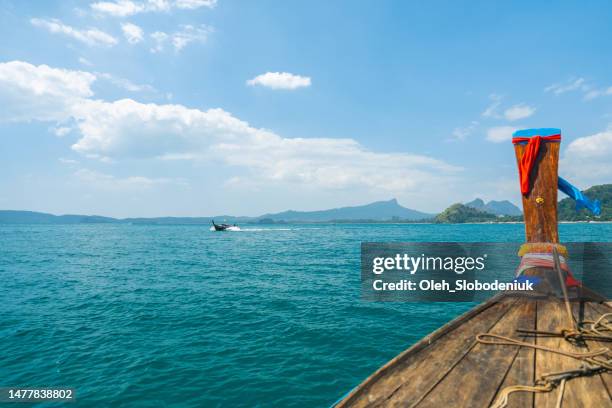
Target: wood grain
407, 377
541, 218
592, 311
475, 380
580, 392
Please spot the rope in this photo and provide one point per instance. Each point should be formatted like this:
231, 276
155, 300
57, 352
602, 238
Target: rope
568, 306
561, 392
508, 341
593, 362
502, 400
599, 325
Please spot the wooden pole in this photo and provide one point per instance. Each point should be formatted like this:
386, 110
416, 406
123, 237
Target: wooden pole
540, 203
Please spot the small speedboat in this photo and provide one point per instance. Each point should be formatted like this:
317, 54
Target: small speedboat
225, 227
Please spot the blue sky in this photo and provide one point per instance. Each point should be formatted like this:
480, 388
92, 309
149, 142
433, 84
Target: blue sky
203, 107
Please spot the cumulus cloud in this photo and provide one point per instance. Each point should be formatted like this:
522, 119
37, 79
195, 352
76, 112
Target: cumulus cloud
520, 111
130, 129
90, 36
29, 92
181, 38
61, 131
500, 134
125, 8
586, 160
133, 33
280, 80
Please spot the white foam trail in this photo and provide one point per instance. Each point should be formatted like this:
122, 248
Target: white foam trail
238, 229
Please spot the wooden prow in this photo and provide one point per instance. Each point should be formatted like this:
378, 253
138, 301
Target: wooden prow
540, 203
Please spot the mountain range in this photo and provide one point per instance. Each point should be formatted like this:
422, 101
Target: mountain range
504, 207
380, 211
377, 211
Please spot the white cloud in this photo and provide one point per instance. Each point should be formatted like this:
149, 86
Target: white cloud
588, 90
461, 133
189, 34
61, 131
125, 8
280, 80
574, 84
500, 134
596, 93
586, 160
125, 83
130, 129
119, 8
160, 38
91, 36
85, 61
491, 110
180, 39
132, 33
68, 161
194, 4
30, 92
127, 128
520, 111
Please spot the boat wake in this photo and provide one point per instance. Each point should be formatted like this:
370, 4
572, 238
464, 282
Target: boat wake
238, 229
232, 228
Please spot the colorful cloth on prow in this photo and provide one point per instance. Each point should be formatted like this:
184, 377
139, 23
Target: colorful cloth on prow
533, 138
539, 255
582, 201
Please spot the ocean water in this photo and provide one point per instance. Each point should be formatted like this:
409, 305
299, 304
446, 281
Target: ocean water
153, 316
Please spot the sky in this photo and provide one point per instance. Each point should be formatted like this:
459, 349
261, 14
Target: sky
204, 107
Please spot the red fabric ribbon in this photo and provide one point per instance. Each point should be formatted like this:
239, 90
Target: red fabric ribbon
530, 155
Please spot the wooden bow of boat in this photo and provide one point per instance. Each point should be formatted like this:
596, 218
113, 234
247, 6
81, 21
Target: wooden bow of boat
452, 368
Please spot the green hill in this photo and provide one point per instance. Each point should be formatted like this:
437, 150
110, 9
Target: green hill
459, 213
603, 193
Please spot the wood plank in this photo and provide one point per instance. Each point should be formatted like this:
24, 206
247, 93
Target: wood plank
475, 380
421, 367
592, 311
580, 392
523, 367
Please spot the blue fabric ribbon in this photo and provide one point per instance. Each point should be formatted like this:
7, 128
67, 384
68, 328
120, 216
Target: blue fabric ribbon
582, 201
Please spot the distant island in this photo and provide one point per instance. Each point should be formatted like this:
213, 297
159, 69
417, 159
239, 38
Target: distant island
378, 212
462, 213
504, 207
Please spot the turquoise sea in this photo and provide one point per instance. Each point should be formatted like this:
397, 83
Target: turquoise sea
157, 316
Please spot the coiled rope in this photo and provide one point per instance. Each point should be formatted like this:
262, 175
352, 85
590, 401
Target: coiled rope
593, 362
